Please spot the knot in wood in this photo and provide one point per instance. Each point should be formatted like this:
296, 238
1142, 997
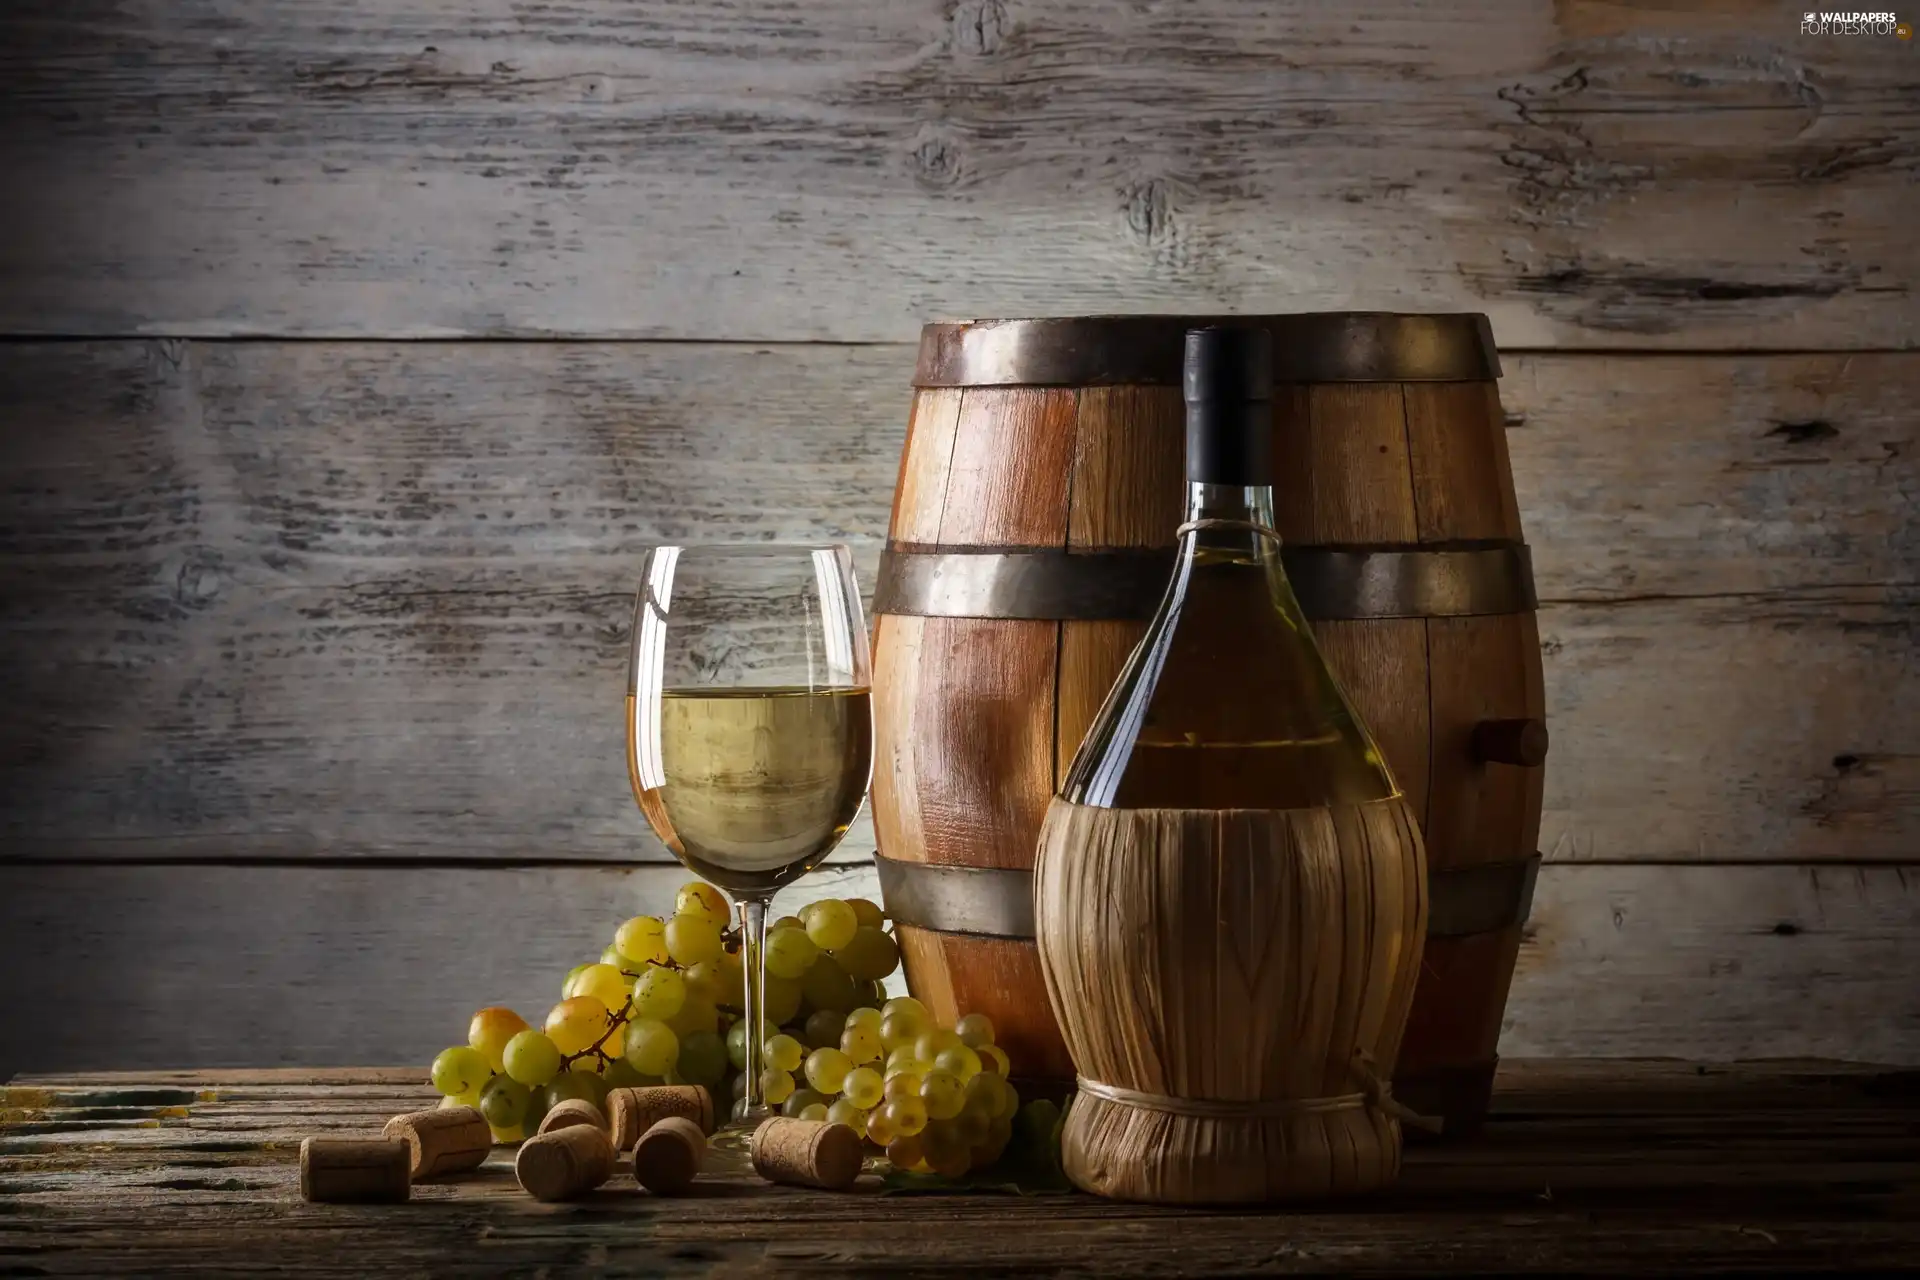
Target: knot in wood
979, 26
1149, 210
937, 161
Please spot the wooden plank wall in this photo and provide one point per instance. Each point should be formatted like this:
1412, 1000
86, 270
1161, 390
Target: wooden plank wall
351, 352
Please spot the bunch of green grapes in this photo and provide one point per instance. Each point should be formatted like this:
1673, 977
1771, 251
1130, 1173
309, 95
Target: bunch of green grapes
662, 1005
936, 1099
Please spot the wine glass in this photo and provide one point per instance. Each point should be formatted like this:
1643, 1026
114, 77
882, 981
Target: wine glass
749, 730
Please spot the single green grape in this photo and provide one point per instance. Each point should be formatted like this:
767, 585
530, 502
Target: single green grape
783, 999
902, 1059
823, 1027
863, 1087
905, 1084
787, 922
504, 1102
622, 1075
871, 995
974, 1030
818, 1111
659, 992
800, 1099
576, 1023
691, 939
703, 1058
776, 1085
861, 1017
1036, 1121
870, 955
531, 1058
604, 983
943, 1093
906, 1116
1010, 1102
827, 1069
652, 1047
566, 985
845, 1112
905, 1152
867, 913
994, 1059
826, 986
489, 1032
862, 1043
782, 1053
576, 1084
517, 1133
790, 953
880, 1127
710, 981
901, 1028
701, 900
642, 940
737, 1041
983, 1095
695, 1015
462, 1069
932, 1042
536, 1110
831, 924
959, 1060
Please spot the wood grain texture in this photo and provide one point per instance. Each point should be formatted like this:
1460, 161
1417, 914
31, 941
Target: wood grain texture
1713, 962
1127, 442
1340, 470
920, 496
231, 570
1589, 174
1462, 476
1012, 455
1668, 1166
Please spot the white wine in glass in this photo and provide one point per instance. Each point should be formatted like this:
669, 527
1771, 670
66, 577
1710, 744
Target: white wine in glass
749, 729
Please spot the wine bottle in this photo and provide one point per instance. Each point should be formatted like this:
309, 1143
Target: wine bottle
1230, 896
1227, 704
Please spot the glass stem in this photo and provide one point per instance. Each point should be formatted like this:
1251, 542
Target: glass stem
753, 958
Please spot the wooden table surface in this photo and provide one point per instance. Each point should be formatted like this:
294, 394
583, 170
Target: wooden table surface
1603, 1167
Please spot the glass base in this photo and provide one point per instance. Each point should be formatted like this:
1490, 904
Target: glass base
730, 1147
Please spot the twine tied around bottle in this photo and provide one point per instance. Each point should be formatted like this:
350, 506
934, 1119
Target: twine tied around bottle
1192, 525
1375, 1092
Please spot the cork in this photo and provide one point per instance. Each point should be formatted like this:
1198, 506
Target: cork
443, 1140
563, 1163
572, 1111
636, 1110
668, 1156
807, 1153
355, 1170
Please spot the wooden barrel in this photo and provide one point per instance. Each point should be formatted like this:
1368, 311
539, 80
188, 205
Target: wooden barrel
1032, 534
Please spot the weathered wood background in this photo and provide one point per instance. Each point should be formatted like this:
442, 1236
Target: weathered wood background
351, 352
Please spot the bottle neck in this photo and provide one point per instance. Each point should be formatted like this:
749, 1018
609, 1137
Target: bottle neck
1244, 505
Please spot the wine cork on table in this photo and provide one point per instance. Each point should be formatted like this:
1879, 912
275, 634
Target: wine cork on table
807, 1153
564, 1163
636, 1110
572, 1111
355, 1170
668, 1156
443, 1140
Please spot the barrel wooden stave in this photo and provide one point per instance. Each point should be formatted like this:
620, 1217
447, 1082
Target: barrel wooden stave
1099, 468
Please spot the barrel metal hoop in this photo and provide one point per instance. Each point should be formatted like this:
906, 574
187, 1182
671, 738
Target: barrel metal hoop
997, 902
1092, 351
992, 902
1330, 582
